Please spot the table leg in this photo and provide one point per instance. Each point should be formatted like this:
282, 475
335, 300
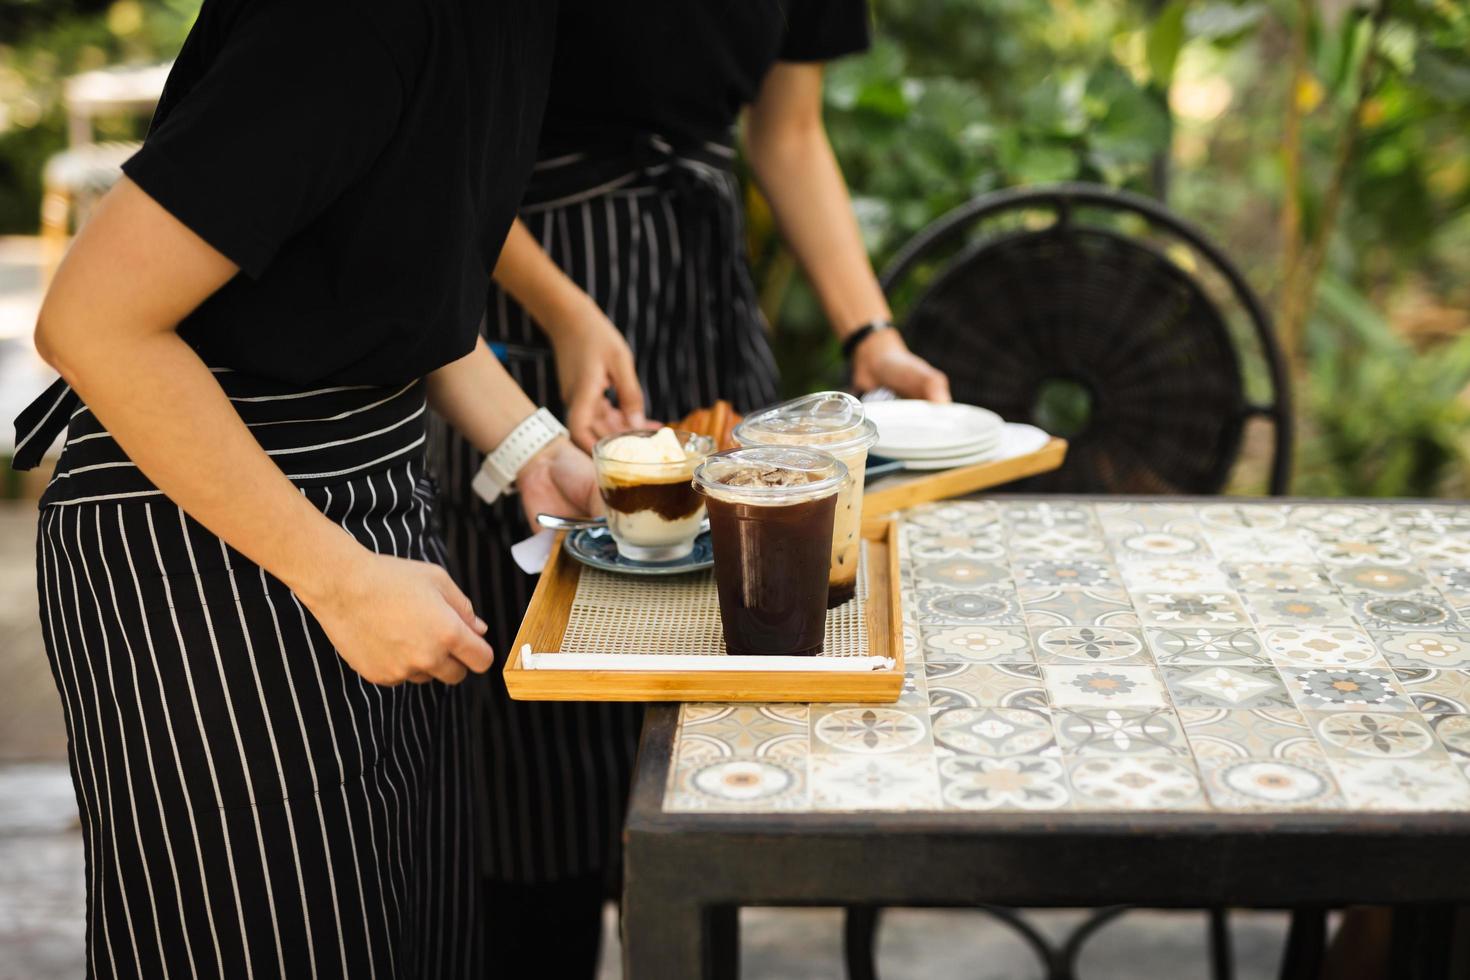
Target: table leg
860, 941
722, 925
664, 937
1422, 946
1306, 945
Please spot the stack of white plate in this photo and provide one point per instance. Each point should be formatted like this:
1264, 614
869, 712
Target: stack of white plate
932, 436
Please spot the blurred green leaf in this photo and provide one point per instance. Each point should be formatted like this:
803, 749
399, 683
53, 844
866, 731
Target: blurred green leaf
1165, 39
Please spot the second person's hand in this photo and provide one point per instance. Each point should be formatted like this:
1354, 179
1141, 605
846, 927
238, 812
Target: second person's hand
592, 358
883, 360
559, 480
395, 620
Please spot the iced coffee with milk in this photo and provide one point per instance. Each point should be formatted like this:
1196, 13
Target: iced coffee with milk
653, 510
833, 422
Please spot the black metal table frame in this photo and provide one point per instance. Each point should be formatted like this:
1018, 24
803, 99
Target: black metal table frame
686, 872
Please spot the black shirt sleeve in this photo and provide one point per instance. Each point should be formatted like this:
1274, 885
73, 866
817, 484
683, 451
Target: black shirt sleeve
296, 105
820, 30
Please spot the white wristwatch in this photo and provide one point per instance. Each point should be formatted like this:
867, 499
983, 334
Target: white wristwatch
497, 474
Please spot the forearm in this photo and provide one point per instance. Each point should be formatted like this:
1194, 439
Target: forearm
476, 396
167, 412
799, 175
527, 273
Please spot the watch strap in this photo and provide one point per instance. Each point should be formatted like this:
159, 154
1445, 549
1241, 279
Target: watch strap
851, 341
497, 474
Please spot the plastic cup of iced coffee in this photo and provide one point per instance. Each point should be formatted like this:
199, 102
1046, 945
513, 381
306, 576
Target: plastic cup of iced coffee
834, 422
653, 510
771, 511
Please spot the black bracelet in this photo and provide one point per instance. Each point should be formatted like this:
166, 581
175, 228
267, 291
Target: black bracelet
850, 345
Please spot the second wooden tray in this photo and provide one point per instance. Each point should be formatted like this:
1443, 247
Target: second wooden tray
551, 605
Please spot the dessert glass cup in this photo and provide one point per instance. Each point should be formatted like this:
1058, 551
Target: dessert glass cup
771, 510
834, 422
653, 511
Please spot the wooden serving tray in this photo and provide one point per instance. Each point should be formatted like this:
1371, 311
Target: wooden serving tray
898, 492
551, 605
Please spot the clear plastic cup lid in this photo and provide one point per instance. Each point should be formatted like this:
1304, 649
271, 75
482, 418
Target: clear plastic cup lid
833, 420
770, 474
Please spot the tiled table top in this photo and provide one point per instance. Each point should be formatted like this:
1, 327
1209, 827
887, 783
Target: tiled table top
1137, 656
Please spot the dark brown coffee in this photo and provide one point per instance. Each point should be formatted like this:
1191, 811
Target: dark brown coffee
671, 501
771, 573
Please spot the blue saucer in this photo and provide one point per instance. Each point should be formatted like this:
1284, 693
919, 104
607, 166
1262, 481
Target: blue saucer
596, 548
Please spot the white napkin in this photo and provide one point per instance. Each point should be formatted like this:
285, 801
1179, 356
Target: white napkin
533, 553
692, 661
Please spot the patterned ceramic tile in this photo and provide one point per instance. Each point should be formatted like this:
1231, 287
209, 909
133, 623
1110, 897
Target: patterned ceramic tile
1159, 544
1191, 609
733, 785
1422, 613
1373, 549
1245, 546
1402, 784
1089, 645
1013, 783
868, 730
891, 782
1104, 686
950, 607
1135, 783
1335, 520
1437, 691
984, 685
1379, 579
1345, 689
1119, 731
1221, 733
930, 544
1226, 686
1206, 645
964, 573
1249, 576
1453, 732
993, 731
1270, 784
977, 645
1321, 646
1053, 573
1078, 607
1275, 609
1169, 575
1375, 735
1413, 649
1120, 655
1056, 542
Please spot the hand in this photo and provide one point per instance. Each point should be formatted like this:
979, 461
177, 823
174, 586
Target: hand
591, 357
883, 360
396, 620
560, 480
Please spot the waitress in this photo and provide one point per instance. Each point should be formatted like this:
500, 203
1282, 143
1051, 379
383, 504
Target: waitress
628, 272
239, 592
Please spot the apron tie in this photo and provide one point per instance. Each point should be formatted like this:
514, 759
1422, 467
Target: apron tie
37, 427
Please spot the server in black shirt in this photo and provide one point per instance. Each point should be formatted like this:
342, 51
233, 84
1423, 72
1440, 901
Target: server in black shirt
241, 601
628, 272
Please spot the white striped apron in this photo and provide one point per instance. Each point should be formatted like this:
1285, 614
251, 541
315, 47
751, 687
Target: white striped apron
250, 806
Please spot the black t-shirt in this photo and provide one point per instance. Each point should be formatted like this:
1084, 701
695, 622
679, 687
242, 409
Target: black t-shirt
680, 69
361, 161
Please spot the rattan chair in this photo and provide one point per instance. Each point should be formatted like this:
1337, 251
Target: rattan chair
1100, 316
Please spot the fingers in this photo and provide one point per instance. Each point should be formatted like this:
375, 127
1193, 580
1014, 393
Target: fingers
470, 651
936, 388
457, 600
581, 413
450, 671
629, 390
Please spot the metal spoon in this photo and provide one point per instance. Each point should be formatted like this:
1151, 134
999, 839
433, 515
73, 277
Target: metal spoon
555, 523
